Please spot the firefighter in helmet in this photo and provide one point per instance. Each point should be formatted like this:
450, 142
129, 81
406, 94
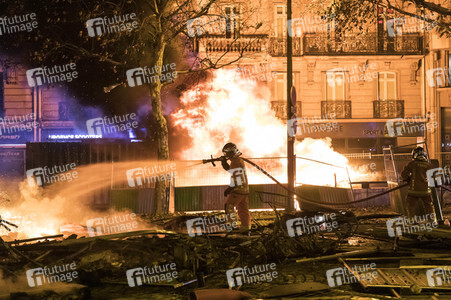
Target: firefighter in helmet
237, 194
419, 193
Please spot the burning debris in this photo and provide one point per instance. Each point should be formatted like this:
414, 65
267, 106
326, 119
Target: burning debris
193, 263
309, 192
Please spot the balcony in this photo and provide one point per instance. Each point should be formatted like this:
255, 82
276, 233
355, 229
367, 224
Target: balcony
244, 43
280, 108
341, 109
384, 109
369, 44
278, 47
251, 43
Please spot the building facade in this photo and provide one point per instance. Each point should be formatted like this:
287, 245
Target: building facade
364, 79
28, 114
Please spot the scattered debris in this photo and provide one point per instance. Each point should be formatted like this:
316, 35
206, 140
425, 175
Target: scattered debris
202, 261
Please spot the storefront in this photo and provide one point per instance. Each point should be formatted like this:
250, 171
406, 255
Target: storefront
364, 137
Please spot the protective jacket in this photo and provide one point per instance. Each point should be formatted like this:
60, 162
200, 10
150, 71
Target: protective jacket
415, 173
238, 176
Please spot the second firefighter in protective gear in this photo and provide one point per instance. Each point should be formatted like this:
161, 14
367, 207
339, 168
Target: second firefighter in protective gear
419, 193
237, 194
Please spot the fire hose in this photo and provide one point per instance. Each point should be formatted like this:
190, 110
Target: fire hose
315, 202
310, 201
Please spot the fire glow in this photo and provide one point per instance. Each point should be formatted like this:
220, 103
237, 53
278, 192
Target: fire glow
227, 108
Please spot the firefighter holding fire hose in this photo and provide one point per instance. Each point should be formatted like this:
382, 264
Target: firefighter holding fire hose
419, 193
237, 194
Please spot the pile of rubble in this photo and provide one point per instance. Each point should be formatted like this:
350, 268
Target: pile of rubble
398, 266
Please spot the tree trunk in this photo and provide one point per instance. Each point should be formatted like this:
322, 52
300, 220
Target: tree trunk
162, 132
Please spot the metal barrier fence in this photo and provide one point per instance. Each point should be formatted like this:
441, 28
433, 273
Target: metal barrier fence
360, 167
206, 174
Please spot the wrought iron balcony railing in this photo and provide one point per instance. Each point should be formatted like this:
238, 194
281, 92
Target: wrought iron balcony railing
251, 43
341, 109
244, 43
371, 43
383, 109
278, 46
280, 107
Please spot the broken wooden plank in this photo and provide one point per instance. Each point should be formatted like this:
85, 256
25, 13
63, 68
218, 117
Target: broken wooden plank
355, 274
338, 255
18, 253
35, 239
85, 240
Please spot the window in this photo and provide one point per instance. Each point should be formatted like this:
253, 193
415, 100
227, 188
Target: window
387, 86
281, 21
281, 90
11, 75
335, 85
232, 21
281, 87
279, 105
387, 29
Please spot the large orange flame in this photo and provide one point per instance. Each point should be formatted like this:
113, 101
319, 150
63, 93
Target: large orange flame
228, 108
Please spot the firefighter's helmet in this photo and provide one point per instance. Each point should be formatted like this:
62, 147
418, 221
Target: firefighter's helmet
419, 153
230, 150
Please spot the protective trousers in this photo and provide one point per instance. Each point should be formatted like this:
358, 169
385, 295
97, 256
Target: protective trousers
241, 202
